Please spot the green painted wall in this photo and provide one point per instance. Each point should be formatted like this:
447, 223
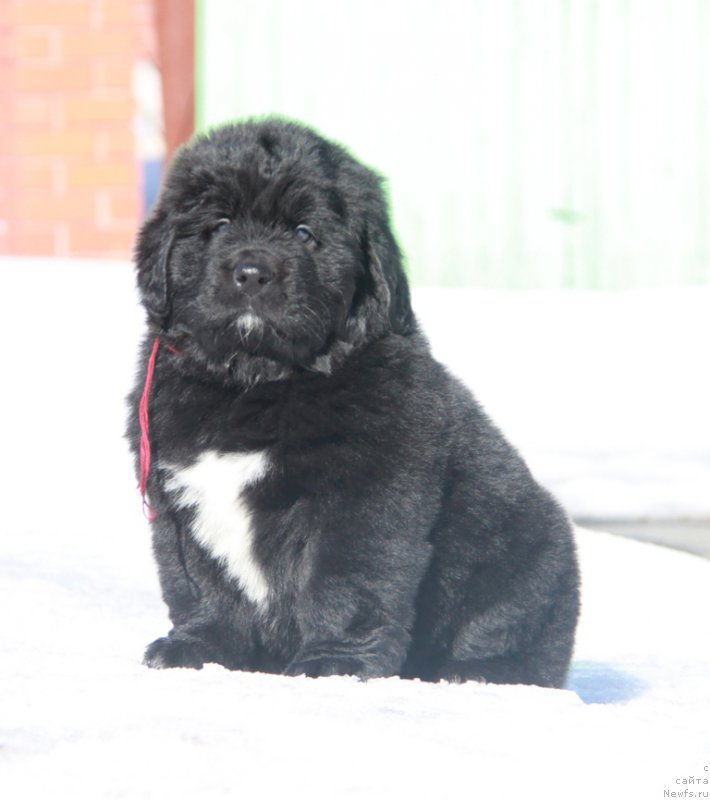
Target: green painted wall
527, 143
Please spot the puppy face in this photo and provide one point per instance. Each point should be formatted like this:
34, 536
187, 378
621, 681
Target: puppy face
270, 246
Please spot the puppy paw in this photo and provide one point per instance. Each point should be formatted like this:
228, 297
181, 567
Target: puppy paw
323, 666
174, 652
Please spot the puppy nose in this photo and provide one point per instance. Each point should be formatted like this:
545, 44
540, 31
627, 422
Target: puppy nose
251, 277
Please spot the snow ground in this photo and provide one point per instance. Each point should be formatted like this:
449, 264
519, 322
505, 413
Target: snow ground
81, 718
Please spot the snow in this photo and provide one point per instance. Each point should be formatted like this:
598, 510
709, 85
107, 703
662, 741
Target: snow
81, 718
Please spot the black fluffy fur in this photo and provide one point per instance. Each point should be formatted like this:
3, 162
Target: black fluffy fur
397, 530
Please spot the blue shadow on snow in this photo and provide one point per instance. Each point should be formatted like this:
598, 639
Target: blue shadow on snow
595, 682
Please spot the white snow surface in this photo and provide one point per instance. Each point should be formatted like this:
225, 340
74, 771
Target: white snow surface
80, 717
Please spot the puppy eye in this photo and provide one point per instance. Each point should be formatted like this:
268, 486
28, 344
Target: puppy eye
305, 234
221, 224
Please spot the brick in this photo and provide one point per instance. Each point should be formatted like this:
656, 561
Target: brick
7, 18
112, 72
38, 173
64, 142
36, 44
119, 13
101, 175
8, 64
8, 162
43, 206
65, 77
114, 42
8, 36
90, 108
31, 238
66, 12
118, 206
37, 109
114, 142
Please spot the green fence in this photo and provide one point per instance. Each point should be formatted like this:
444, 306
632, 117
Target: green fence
528, 143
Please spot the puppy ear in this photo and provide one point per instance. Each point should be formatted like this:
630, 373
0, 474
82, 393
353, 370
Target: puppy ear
155, 243
389, 281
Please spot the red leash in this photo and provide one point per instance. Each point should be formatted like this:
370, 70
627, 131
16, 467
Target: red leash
144, 422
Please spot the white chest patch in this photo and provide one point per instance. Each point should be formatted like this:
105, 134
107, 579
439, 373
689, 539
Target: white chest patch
213, 486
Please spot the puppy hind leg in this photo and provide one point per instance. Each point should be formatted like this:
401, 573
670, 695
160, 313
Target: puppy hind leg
506, 670
346, 631
515, 656
376, 654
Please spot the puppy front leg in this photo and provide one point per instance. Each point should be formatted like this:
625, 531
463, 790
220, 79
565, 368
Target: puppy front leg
179, 648
193, 639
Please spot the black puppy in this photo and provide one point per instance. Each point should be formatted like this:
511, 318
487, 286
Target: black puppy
327, 498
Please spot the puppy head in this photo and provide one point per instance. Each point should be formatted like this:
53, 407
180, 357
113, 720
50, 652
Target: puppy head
270, 248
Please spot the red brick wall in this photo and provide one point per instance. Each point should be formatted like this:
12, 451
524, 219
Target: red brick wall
69, 175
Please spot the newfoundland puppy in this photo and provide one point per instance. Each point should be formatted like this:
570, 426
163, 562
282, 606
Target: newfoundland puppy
326, 499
